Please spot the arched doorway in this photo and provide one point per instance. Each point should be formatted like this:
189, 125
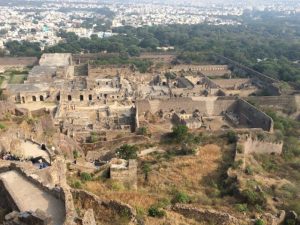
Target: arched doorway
43, 147
33, 98
41, 98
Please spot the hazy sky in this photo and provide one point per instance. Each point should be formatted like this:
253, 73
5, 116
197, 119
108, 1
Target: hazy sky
182, 2
210, 2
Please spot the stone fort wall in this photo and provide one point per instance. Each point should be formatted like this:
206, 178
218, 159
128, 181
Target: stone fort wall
86, 200
5, 108
209, 106
247, 113
261, 147
283, 102
253, 117
127, 176
207, 215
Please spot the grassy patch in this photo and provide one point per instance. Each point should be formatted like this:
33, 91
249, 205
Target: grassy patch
2, 126
17, 79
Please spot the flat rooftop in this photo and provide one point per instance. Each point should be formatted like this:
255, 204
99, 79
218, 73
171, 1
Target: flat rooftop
16, 88
56, 59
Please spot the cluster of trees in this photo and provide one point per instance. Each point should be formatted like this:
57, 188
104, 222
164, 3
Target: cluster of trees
141, 65
118, 44
23, 48
269, 44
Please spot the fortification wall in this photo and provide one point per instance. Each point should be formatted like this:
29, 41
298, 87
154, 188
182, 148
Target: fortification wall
127, 175
209, 82
283, 102
208, 215
253, 117
6, 107
107, 70
206, 106
217, 70
250, 71
261, 147
125, 140
176, 104
222, 105
84, 58
16, 63
90, 201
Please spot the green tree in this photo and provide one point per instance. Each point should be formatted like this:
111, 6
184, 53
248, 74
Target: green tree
259, 222
127, 152
181, 197
180, 132
142, 131
85, 176
146, 170
149, 42
134, 50
154, 211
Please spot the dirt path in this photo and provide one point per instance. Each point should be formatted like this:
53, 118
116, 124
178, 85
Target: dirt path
28, 196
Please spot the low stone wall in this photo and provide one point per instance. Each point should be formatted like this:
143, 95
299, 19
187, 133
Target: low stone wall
91, 201
39, 112
127, 175
5, 108
207, 215
37, 218
90, 147
251, 145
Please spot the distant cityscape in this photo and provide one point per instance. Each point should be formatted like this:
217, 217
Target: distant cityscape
40, 21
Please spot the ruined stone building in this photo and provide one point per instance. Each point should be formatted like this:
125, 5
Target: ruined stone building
109, 97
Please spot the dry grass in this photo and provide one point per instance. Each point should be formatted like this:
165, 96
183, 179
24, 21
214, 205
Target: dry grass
185, 172
171, 218
134, 198
193, 174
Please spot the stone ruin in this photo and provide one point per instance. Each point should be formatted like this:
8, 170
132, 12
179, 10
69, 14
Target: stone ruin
238, 113
120, 98
108, 96
124, 171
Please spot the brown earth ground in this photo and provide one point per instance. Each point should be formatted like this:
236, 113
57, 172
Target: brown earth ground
197, 175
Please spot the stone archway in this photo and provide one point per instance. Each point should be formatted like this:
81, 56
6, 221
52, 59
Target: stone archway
43, 147
41, 98
34, 98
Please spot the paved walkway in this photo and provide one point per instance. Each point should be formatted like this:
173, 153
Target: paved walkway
28, 196
150, 150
